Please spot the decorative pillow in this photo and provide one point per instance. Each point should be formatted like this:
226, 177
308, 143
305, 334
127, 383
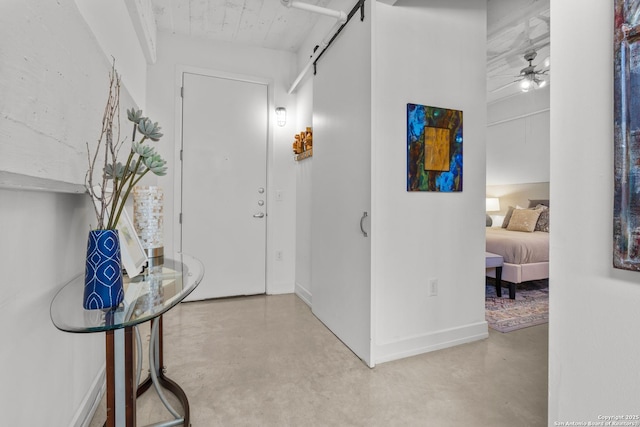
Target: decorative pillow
543, 220
497, 220
507, 217
524, 220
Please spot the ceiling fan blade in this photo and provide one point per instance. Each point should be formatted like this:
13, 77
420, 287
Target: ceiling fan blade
496, 76
542, 67
520, 40
499, 88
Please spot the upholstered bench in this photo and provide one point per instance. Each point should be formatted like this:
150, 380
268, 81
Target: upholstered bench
495, 261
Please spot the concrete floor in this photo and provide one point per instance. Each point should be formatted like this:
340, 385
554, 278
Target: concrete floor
267, 361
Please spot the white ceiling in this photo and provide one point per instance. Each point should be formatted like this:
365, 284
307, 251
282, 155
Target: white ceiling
513, 27
263, 23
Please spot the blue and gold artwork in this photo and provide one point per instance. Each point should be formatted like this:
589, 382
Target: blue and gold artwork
626, 202
434, 149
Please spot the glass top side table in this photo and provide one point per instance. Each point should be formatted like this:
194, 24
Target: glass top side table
147, 297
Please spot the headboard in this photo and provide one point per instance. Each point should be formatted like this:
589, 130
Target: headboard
517, 194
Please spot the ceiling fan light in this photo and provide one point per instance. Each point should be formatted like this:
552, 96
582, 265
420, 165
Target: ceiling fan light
525, 85
543, 83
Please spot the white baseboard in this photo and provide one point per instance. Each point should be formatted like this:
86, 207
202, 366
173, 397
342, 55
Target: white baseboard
279, 288
91, 401
425, 343
303, 294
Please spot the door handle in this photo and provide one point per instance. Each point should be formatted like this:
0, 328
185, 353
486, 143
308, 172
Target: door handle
364, 215
259, 215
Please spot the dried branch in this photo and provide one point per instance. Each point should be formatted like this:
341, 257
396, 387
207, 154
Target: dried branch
100, 192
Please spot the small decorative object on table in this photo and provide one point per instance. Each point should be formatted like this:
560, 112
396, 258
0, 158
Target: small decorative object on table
148, 218
103, 273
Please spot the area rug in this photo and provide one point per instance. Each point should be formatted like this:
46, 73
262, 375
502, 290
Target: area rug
530, 308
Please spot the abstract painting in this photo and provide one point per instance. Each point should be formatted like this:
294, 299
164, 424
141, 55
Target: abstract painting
626, 208
434, 149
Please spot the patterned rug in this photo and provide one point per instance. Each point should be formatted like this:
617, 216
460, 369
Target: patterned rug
530, 308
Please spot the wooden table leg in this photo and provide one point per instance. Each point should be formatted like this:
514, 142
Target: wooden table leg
499, 281
121, 396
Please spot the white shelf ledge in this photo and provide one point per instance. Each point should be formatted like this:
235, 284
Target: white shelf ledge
17, 181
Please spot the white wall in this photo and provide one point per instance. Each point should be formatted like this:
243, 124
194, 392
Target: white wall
304, 170
46, 373
53, 87
593, 347
103, 18
163, 100
518, 139
418, 236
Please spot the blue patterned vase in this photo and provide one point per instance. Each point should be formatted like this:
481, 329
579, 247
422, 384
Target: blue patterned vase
103, 271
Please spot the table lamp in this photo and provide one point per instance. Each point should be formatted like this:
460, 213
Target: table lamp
493, 205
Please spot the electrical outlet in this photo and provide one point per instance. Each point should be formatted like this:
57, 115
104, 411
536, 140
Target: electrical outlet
278, 255
433, 287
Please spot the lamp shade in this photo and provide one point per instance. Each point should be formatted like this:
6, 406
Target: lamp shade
493, 204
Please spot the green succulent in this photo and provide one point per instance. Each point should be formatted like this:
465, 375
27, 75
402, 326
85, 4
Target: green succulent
143, 150
132, 169
149, 129
135, 116
156, 164
108, 171
143, 158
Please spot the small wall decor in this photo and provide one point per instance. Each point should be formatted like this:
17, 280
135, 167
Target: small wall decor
434, 149
626, 207
303, 145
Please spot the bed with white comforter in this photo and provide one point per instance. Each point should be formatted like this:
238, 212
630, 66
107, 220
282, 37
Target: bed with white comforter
525, 254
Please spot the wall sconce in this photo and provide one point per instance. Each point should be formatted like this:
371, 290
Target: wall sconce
493, 205
281, 116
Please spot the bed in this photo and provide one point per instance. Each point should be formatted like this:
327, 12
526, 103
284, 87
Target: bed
525, 253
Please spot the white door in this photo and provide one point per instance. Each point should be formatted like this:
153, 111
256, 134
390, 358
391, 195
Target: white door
224, 183
341, 180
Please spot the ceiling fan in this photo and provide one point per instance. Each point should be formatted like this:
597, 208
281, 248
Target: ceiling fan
531, 77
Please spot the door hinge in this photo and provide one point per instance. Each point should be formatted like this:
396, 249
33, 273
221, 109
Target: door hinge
181, 155
182, 92
180, 218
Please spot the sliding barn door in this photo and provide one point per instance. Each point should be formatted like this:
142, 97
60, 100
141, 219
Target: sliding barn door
341, 198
